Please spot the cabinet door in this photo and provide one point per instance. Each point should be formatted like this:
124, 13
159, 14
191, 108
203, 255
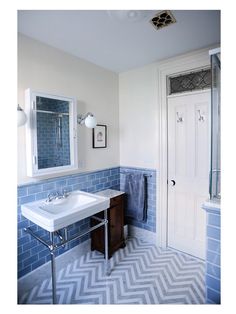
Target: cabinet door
116, 225
115, 228
97, 236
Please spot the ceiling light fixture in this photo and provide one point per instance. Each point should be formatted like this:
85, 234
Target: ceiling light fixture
128, 15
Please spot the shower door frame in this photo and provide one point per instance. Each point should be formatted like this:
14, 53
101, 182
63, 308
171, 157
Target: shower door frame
178, 65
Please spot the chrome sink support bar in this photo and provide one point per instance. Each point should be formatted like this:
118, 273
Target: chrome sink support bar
52, 246
107, 268
53, 269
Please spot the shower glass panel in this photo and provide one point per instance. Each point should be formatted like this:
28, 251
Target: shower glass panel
215, 170
53, 132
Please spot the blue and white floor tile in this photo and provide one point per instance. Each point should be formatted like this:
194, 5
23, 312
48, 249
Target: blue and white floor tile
141, 274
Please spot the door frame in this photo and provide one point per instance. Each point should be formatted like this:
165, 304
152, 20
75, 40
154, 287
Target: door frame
174, 66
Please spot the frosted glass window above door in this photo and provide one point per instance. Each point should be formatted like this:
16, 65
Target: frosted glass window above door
188, 82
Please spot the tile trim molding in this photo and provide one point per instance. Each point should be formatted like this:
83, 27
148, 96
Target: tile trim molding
63, 177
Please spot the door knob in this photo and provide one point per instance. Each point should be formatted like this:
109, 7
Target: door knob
173, 182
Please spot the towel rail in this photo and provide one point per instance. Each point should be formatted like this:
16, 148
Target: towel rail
145, 175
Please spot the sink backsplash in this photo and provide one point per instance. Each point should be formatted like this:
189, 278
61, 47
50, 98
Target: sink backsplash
32, 254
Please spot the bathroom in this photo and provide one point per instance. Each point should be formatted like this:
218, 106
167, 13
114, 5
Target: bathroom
113, 112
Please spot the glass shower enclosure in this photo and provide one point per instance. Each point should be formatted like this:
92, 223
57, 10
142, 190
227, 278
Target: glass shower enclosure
215, 159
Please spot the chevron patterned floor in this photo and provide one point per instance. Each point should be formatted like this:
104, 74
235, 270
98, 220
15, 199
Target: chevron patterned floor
141, 274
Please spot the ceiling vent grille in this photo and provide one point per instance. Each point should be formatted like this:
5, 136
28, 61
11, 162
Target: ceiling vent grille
162, 19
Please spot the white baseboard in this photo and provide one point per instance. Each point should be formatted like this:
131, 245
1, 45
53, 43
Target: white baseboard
126, 232
142, 234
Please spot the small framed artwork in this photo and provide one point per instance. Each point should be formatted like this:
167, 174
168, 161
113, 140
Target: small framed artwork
100, 136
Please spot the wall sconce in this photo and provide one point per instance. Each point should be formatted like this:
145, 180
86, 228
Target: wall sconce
21, 116
89, 120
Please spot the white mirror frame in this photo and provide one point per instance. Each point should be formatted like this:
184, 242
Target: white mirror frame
31, 135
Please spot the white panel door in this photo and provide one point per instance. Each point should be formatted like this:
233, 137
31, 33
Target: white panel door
188, 170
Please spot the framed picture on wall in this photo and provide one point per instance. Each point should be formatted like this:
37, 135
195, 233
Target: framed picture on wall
100, 136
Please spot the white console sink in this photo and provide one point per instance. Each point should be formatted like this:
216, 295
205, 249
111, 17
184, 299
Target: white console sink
63, 212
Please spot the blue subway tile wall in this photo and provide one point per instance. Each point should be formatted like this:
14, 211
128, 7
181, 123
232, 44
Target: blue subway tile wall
150, 224
213, 268
31, 253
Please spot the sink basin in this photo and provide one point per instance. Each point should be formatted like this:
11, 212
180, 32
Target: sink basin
63, 212
64, 204
58, 201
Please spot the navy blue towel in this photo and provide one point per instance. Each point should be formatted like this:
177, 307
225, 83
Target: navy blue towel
136, 191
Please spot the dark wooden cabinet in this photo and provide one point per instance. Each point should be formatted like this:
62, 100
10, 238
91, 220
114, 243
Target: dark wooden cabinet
115, 227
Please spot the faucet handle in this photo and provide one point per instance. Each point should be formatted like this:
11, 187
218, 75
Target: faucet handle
50, 196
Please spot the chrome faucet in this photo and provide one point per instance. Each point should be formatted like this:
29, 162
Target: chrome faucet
51, 196
56, 195
65, 193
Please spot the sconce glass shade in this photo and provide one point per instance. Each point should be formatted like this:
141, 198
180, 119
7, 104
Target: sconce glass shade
21, 116
90, 122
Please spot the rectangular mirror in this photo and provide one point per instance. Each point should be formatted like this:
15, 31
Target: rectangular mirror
50, 133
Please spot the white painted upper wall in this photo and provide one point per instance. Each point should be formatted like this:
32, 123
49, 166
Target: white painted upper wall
129, 106
139, 108
43, 68
138, 117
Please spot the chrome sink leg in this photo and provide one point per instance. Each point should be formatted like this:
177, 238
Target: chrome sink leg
107, 265
53, 270
66, 237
